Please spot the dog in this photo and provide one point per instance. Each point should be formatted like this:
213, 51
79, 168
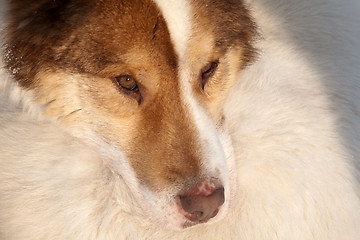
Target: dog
179, 119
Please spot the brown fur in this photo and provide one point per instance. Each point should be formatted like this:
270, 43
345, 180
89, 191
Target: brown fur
230, 22
56, 46
224, 32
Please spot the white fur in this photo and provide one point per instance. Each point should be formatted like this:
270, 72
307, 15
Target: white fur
213, 149
177, 16
294, 119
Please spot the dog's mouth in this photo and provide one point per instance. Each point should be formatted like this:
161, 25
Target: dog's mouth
200, 203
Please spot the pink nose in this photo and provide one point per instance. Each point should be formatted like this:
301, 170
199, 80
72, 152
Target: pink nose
202, 202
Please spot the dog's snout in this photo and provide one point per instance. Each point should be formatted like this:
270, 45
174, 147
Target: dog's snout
202, 202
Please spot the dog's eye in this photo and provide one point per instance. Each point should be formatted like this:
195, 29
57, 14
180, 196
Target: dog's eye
127, 82
208, 71
128, 85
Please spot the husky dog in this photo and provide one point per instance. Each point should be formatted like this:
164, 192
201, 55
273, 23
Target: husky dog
179, 119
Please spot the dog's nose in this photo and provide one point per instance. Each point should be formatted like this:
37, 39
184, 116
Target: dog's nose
202, 202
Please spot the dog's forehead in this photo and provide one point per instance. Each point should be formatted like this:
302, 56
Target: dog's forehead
127, 34
177, 15
86, 36
214, 26
91, 35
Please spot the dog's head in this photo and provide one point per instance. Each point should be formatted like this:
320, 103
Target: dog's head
144, 81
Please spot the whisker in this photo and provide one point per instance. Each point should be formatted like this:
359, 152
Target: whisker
71, 113
45, 105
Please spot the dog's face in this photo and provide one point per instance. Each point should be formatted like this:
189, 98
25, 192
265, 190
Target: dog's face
144, 81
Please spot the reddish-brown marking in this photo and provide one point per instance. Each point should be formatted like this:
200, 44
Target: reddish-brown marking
224, 33
99, 40
60, 47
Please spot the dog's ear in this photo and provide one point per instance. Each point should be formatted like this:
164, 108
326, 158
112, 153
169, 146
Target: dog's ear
43, 15
35, 29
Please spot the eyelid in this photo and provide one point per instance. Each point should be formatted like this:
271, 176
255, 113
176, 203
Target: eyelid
208, 72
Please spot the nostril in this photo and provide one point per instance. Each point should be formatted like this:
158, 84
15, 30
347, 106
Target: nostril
199, 207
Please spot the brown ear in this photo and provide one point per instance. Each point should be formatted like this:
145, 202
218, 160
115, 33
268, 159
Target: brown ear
35, 29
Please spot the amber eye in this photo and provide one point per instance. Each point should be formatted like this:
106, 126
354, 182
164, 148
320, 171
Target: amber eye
127, 82
208, 72
128, 85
